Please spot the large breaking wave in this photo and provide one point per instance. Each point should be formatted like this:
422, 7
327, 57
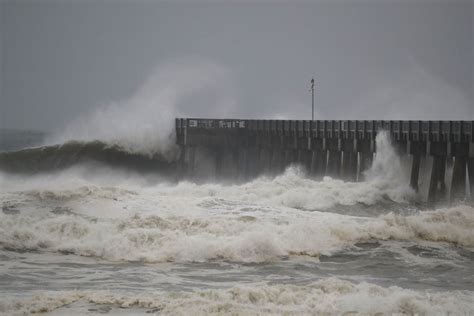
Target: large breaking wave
58, 157
137, 132
144, 123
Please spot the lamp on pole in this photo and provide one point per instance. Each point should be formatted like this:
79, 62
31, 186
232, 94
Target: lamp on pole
312, 99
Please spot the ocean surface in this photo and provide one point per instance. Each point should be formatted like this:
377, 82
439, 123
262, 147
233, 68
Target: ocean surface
88, 233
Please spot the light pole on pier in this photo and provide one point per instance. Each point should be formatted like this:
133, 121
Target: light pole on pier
312, 99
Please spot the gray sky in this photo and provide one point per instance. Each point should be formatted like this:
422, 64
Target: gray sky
371, 59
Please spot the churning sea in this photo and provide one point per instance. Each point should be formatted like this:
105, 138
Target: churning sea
93, 239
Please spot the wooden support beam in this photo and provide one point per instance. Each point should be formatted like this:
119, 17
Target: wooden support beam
219, 163
304, 159
415, 171
235, 163
264, 160
442, 178
353, 161
349, 166
470, 168
365, 162
252, 162
191, 162
181, 172
288, 158
334, 164
433, 189
318, 163
314, 163
278, 160
295, 157
242, 164
437, 188
458, 182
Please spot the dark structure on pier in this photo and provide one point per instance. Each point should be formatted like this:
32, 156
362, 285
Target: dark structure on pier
242, 149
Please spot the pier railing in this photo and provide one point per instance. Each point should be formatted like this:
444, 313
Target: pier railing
455, 131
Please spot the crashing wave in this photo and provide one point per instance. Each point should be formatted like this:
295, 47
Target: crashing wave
58, 157
255, 237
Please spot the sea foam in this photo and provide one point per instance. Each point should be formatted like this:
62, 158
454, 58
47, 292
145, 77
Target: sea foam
325, 297
262, 220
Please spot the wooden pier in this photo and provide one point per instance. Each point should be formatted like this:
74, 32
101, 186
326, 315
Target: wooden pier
243, 149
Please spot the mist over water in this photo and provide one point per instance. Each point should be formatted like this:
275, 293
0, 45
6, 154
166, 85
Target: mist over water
145, 122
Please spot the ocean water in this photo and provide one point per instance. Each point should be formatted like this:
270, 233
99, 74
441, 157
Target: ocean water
94, 238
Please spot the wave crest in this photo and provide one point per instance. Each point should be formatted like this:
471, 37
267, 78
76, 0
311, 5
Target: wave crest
57, 157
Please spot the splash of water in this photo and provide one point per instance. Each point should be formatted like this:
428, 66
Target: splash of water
144, 123
387, 170
386, 166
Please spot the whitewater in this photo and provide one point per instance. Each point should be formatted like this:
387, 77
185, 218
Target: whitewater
95, 239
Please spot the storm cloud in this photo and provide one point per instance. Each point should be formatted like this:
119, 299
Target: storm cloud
63, 60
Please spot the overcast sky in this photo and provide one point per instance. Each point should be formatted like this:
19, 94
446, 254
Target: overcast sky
370, 59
